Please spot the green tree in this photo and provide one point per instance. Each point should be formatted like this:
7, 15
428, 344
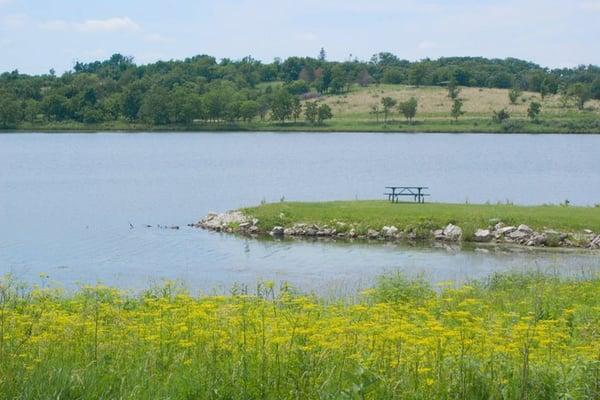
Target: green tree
500, 116
296, 108
249, 110
409, 108
418, 74
55, 107
311, 111
375, 111
581, 92
155, 108
456, 110
324, 113
216, 100
514, 94
534, 110
132, 100
186, 105
595, 89
453, 90
322, 55
388, 104
282, 106
10, 112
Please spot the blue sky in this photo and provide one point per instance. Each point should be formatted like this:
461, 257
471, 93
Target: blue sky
42, 34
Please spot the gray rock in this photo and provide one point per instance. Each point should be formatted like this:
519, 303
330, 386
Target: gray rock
245, 225
588, 231
506, 230
452, 232
289, 232
372, 234
499, 226
352, 233
524, 228
438, 234
519, 236
539, 239
389, 231
277, 231
482, 235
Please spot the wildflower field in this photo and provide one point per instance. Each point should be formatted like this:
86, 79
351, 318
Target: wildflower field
509, 337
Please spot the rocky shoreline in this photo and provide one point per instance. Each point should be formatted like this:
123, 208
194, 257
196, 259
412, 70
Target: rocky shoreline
497, 232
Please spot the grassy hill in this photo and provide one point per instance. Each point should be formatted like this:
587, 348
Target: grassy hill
353, 111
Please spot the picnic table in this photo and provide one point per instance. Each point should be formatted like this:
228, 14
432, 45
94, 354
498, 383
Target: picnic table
417, 192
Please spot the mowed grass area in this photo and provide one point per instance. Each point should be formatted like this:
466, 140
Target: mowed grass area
405, 216
509, 337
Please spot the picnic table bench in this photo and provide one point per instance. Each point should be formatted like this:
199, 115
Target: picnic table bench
417, 192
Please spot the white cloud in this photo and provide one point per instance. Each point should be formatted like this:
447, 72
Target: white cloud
590, 5
115, 24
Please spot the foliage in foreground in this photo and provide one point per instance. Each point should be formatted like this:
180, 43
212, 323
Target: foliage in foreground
512, 337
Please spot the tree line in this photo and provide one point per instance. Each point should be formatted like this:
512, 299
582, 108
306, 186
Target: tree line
202, 89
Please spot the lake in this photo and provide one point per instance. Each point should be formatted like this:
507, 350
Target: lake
75, 206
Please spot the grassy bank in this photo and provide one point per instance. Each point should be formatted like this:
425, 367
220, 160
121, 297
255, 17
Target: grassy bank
409, 216
353, 113
510, 337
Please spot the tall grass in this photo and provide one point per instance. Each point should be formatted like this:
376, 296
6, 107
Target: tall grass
510, 337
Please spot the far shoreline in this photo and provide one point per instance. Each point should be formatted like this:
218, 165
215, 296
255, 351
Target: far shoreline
276, 129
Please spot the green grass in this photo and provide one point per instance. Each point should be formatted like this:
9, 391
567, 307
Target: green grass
376, 214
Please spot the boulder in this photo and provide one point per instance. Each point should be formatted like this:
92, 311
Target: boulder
452, 232
506, 230
289, 232
519, 235
438, 234
482, 235
595, 243
539, 239
389, 231
524, 228
277, 231
372, 234
312, 231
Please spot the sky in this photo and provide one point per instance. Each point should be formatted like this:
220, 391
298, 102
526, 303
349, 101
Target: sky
37, 35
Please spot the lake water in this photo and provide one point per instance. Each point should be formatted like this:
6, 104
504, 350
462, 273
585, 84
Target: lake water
67, 202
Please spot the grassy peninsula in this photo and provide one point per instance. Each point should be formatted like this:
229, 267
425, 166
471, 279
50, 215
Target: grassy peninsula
364, 215
508, 337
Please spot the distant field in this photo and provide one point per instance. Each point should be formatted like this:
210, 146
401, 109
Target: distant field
435, 103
